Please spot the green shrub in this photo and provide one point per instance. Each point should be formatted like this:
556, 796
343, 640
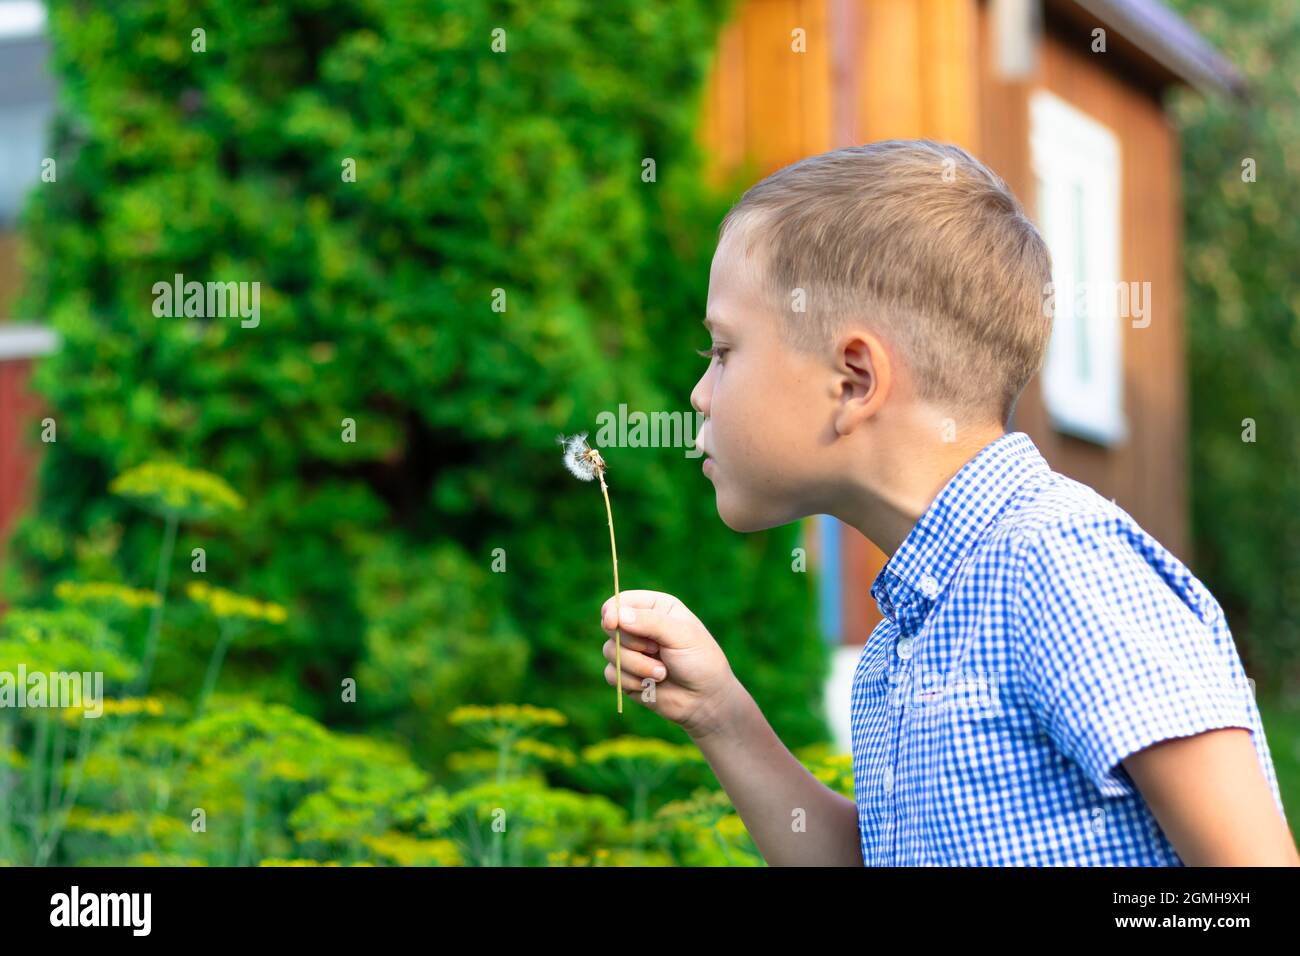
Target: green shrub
476, 171
1243, 315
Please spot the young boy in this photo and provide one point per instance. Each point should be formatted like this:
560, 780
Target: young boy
1049, 685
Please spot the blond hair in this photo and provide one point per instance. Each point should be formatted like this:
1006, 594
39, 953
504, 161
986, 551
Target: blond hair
924, 244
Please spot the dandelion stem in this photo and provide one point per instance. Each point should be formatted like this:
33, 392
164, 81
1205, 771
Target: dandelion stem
585, 463
618, 634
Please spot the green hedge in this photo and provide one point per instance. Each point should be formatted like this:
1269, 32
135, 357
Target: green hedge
1243, 314
475, 170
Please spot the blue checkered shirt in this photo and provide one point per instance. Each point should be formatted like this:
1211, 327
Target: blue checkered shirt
1033, 637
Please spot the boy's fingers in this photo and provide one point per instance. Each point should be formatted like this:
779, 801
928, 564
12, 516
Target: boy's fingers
639, 597
652, 625
630, 681
642, 644
633, 599
635, 663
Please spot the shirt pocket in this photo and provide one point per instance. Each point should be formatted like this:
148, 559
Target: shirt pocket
958, 729
955, 730
935, 702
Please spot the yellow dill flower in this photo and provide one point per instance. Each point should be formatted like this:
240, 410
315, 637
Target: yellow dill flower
834, 770
701, 803
472, 761
545, 752
731, 827
276, 861
406, 850
122, 706
104, 592
649, 749
515, 714
173, 488
227, 604
109, 824
148, 860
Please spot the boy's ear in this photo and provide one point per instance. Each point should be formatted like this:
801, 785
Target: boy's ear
865, 376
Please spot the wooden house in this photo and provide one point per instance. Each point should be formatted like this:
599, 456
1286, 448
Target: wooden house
26, 104
1065, 100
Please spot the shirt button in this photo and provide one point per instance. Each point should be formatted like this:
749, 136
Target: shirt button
888, 780
929, 586
904, 648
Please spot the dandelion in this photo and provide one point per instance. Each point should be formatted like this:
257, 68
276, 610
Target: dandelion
579, 459
586, 463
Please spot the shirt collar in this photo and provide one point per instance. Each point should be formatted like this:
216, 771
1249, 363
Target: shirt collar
910, 583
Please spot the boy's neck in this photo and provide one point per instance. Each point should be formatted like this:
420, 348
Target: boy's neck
890, 496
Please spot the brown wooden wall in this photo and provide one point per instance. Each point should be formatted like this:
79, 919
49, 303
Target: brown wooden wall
1146, 475
20, 409
9, 274
20, 414
877, 69
764, 102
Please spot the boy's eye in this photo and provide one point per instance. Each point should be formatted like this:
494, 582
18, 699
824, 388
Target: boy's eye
714, 352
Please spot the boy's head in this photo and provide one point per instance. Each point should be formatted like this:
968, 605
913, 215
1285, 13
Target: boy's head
863, 303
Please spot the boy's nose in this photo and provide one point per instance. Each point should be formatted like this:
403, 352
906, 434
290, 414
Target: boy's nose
699, 400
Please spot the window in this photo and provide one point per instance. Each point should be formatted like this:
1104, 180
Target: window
26, 103
1076, 167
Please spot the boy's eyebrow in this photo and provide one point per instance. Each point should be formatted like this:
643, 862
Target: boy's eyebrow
710, 321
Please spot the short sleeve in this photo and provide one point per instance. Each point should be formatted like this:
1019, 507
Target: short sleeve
1112, 658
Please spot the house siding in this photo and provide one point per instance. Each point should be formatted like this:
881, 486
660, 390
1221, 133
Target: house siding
876, 69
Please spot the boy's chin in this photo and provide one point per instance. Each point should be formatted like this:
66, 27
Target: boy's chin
747, 520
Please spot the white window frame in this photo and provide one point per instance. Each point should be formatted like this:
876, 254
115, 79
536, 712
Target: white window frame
26, 103
1076, 161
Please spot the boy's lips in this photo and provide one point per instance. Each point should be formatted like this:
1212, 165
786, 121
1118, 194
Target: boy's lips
707, 464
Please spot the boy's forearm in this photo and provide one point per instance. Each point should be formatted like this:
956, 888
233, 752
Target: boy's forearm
768, 786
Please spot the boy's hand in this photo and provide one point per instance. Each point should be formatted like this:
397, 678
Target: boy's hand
665, 642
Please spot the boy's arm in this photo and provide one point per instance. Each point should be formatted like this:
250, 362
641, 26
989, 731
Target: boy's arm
663, 641
1212, 801
1140, 691
767, 784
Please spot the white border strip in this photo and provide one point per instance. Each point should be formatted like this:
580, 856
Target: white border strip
21, 18
26, 341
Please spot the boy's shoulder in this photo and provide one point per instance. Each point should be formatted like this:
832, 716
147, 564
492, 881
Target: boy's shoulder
1065, 531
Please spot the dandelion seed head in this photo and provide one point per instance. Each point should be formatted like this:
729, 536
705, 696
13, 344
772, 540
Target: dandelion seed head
578, 458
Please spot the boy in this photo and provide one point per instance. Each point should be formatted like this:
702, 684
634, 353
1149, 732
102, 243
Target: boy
1049, 685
